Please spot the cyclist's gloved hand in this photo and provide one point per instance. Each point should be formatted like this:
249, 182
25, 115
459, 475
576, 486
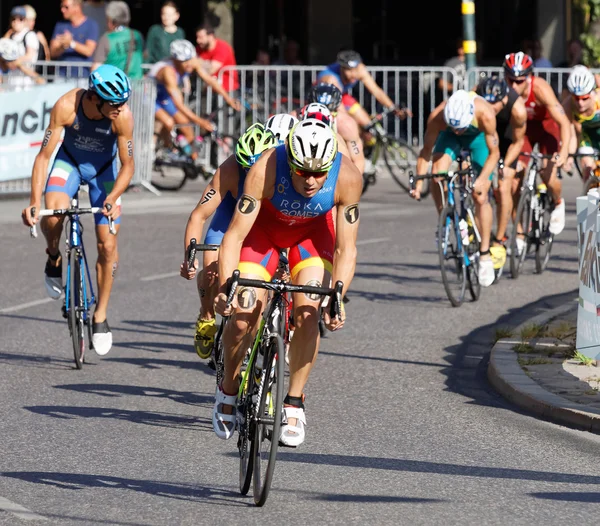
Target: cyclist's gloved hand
236, 104
335, 323
28, 218
403, 112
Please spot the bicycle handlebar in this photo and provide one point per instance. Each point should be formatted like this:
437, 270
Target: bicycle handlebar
279, 286
72, 212
193, 247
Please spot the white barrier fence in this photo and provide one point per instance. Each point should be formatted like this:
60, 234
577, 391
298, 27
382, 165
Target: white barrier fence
588, 245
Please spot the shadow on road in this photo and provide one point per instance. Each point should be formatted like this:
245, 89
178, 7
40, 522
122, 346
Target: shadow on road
468, 361
159, 363
569, 496
152, 418
117, 391
36, 360
76, 481
419, 466
157, 347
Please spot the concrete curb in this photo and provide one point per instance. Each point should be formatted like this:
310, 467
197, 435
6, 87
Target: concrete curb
507, 377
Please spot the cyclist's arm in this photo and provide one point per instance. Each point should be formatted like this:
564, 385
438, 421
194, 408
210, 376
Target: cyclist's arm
211, 198
545, 94
169, 79
373, 87
246, 212
347, 221
124, 130
435, 125
486, 118
216, 87
518, 124
61, 115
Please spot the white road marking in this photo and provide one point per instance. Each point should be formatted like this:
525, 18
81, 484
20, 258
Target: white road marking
19, 511
159, 276
374, 240
26, 305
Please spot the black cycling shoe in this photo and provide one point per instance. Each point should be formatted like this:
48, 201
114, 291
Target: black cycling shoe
53, 277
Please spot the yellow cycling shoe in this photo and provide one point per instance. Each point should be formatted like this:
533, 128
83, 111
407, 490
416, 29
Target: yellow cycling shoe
498, 254
205, 337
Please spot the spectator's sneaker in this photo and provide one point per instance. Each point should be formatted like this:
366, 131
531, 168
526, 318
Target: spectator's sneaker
487, 276
204, 338
53, 277
101, 337
557, 218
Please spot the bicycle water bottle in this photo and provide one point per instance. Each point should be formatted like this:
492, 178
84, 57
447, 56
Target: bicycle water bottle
184, 145
464, 232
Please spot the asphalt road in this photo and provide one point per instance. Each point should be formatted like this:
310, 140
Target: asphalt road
403, 427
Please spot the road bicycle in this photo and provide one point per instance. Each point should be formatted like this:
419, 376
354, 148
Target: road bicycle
532, 220
458, 236
173, 165
593, 181
79, 290
260, 396
399, 157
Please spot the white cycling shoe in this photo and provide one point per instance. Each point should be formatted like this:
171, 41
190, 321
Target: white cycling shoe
224, 424
293, 436
487, 276
101, 337
557, 219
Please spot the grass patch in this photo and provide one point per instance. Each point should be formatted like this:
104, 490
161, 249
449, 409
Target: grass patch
581, 359
591, 392
561, 331
534, 361
522, 348
502, 332
533, 330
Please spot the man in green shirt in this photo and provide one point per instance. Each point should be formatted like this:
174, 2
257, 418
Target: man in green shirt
161, 35
120, 46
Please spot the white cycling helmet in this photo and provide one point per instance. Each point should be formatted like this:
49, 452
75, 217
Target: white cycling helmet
312, 146
581, 81
280, 125
459, 110
316, 110
182, 50
9, 49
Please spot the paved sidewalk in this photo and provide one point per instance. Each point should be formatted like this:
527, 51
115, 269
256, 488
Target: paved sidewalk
536, 367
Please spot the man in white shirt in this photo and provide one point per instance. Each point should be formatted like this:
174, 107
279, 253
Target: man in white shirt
19, 31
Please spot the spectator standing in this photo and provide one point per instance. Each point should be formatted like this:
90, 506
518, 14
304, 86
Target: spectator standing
95, 10
30, 18
534, 49
291, 55
458, 64
11, 70
27, 40
120, 46
217, 54
574, 54
74, 39
161, 35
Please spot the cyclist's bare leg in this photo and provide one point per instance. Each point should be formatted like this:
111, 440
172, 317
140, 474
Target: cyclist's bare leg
349, 131
441, 163
208, 285
167, 123
106, 267
51, 225
552, 181
483, 212
505, 201
239, 332
304, 346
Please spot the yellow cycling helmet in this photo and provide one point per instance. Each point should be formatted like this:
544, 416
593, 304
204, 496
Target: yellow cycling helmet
255, 140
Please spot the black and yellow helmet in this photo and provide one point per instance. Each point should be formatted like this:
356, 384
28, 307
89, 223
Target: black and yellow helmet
255, 140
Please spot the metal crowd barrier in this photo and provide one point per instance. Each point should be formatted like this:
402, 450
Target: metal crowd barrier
142, 104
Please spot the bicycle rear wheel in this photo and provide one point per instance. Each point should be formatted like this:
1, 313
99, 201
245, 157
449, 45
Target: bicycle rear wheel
544, 243
454, 273
76, 306
400, 158
268, 422
522, 230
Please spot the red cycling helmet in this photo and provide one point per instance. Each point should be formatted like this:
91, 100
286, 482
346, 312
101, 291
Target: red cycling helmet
518, 64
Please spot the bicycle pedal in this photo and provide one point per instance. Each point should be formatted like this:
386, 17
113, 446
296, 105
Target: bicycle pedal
64, 312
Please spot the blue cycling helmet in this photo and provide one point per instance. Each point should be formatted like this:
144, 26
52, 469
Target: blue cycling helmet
110, 84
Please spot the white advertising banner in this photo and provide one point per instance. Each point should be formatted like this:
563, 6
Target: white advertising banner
588, 239
24, 115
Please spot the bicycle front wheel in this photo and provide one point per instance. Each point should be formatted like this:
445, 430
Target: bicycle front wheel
268, 419
246, 435
76, 307
400, 158
521, 230
544, 243
451, 253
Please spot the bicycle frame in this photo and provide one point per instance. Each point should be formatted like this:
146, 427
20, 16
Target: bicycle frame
74, 241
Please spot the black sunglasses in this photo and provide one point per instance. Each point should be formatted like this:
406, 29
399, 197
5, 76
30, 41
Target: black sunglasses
516, 81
